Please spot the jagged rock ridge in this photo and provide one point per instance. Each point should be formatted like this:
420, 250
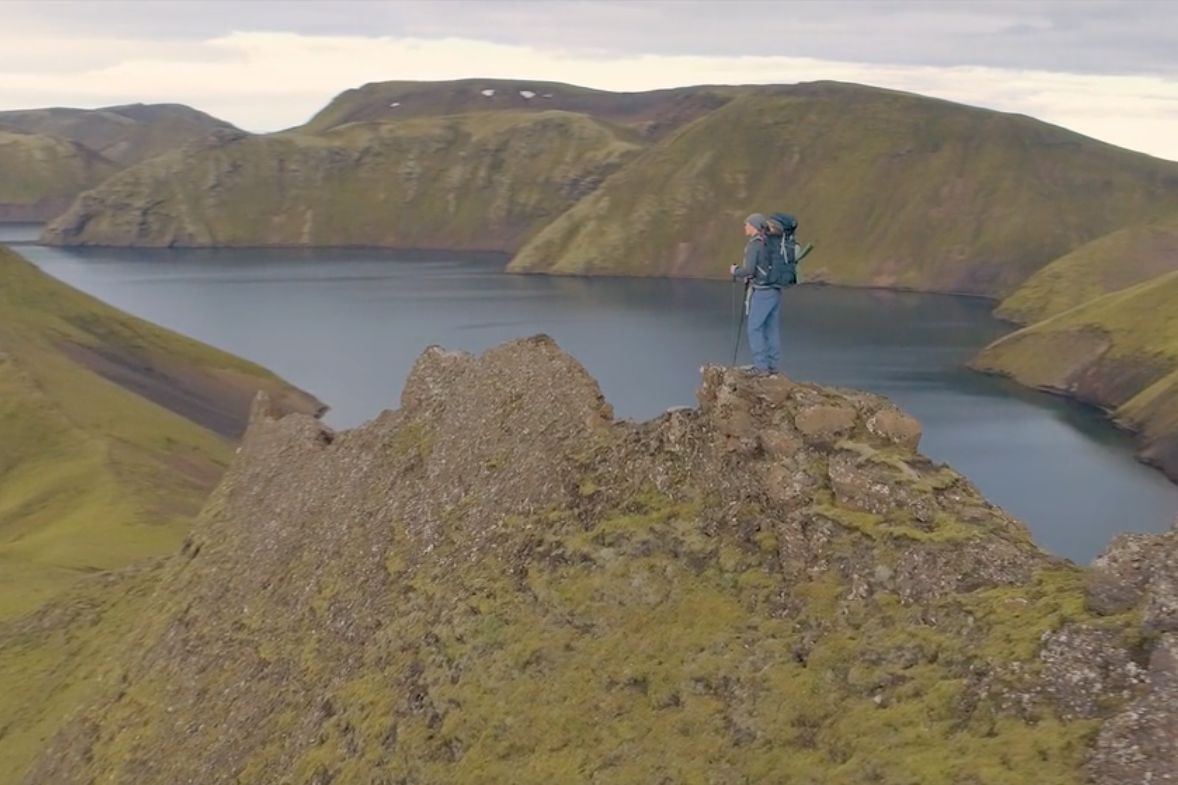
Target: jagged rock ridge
500, 582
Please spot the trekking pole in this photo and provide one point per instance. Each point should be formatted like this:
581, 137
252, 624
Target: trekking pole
740, 325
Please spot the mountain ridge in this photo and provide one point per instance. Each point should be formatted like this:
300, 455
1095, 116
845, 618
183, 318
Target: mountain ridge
500, 580
977, 201
42, 179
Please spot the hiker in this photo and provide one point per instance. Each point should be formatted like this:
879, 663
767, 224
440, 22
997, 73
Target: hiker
763, 287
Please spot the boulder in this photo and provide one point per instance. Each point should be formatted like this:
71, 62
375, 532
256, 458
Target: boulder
896, 427
825, 424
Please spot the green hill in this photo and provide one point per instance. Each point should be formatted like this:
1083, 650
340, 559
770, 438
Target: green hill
123, 134
1108, 264
40, 175
1119, 351
897, 190
499, 582
113, 430
651, 114
484, 181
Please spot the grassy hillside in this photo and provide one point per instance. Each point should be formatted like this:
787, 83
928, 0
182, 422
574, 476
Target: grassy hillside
1119, 351
56, 660
1108, 264
651, 114
897, 190
40, 175
123, 134
470, 181
499, 582
113, 433
113, 430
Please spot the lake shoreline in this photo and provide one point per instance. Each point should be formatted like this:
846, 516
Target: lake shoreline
501, 259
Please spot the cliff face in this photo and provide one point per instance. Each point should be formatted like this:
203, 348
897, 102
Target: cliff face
500, 582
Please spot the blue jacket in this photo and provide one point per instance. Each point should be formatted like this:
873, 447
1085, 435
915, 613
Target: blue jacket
759, 252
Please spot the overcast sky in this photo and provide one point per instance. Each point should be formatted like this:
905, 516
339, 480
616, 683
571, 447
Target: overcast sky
1107, 69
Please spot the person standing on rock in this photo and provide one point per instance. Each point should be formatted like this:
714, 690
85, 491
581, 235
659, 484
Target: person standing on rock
763, 292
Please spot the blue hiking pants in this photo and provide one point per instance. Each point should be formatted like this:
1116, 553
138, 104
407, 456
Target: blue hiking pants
765, 328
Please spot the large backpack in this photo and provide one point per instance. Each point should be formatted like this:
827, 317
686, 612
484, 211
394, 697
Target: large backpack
781, 252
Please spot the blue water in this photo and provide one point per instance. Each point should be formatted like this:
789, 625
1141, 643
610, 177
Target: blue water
347, 326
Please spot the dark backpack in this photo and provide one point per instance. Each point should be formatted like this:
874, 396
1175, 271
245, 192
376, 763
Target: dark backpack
780, 253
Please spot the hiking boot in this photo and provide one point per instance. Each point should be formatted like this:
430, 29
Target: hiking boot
753, 370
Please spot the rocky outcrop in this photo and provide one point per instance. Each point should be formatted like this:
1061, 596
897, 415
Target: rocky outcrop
1140, 743
498, 581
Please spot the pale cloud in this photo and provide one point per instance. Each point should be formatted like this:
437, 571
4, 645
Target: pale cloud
1080, 36
267, 81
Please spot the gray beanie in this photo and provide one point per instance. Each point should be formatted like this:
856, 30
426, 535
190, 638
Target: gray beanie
757, 221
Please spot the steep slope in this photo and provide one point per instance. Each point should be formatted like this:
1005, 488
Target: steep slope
40, 175
1108, 264
897, 190
473, 181
1119, 352
498, 582
113, 432
123, 134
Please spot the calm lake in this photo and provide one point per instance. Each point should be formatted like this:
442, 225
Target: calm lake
347, 325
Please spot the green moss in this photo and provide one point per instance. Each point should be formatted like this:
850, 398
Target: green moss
413, 440
645, 661
1019, 616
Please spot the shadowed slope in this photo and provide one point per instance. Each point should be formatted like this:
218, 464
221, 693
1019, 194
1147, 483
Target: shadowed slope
113, 430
